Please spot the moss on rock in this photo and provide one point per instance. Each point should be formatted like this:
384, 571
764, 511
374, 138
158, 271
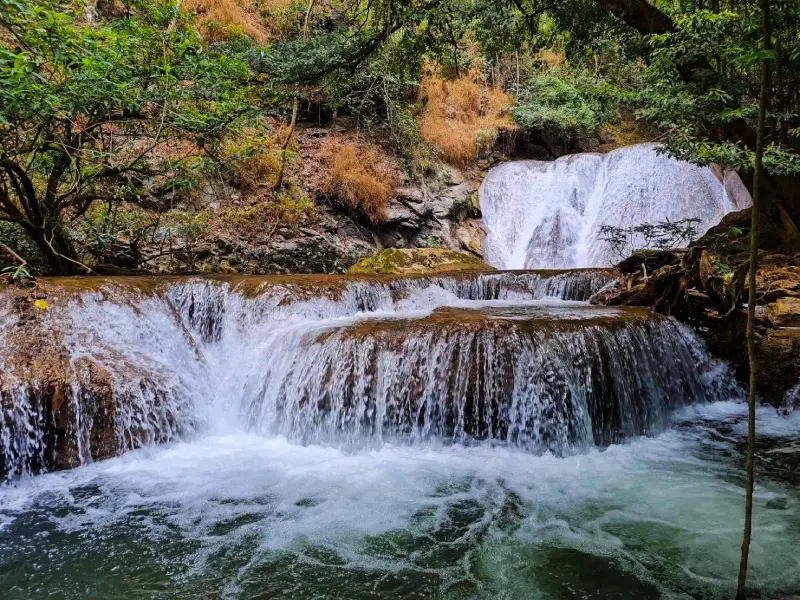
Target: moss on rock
418, 260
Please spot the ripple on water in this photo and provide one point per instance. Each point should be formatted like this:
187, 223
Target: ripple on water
246, 516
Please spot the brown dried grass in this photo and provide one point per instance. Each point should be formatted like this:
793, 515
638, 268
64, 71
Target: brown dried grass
462, 117
552, 58
360, 175
217, 18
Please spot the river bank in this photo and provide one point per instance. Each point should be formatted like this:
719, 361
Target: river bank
705, 286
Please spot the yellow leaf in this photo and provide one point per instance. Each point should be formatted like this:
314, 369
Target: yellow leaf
40, 304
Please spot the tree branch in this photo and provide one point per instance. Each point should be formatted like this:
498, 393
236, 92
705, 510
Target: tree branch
22, 262
49, 243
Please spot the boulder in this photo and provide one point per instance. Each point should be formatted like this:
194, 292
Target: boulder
418, 261
706, 287
784, 312
778, 354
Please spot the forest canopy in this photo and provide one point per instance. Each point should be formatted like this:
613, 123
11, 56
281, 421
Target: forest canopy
108, 106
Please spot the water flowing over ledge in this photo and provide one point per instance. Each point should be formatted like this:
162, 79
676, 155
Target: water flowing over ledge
548, 214
351, 362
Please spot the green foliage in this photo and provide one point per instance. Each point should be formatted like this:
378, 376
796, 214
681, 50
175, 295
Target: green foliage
662, 235
13, 236
94, 119
16, 273
86, 115
117, 234
289, 208
464, 208
561, 103
723, 50
382, 96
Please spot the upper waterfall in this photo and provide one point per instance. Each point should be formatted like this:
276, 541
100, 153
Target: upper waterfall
549, 214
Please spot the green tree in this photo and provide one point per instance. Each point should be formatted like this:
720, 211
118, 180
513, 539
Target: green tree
84, 112
758, 174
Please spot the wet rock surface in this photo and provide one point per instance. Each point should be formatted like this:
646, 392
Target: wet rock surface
705, 286
418, 260
61, 406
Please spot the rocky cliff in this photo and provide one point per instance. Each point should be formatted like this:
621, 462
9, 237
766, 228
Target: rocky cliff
705, 286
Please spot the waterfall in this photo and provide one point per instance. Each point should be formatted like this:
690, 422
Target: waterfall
511, 358
549, 214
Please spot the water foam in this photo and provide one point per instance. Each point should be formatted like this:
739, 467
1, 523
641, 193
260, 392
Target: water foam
549, 214
358, 365
234, 508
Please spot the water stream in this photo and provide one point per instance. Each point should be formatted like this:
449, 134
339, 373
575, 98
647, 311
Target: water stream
482, 436
549, 214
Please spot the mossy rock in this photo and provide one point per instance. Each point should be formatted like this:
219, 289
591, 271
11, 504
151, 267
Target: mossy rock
395, 261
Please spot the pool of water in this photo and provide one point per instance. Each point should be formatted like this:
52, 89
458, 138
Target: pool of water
244, 516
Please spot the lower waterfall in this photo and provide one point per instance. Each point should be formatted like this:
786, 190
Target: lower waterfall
459, 436
511, 358
548, 215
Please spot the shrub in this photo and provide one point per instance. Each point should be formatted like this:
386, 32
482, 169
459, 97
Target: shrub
360, 176
220, 19
462, 117
119, 234
288, 208
563, 104
253, 158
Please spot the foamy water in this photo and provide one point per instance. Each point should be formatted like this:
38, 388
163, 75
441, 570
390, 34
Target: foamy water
661, 516
549, 214
440, 440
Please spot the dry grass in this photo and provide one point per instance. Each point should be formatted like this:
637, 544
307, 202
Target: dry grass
359, 175
552, 59
218, 18
462, 117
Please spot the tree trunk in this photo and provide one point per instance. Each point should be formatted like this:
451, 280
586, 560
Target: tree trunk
57, 248
91, 13
751, 303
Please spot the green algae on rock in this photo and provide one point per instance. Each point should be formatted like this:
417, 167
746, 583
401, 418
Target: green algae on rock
418, 260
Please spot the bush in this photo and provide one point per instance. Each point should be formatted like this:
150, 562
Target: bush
462, 117
253, 159
562, 104
360, 176
288, 208
121, 236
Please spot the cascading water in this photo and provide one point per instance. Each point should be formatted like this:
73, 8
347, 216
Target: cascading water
450, 436
549, 214
451, 359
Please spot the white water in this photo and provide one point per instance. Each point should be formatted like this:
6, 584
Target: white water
548, 215
244, 516
310, 452
373, 364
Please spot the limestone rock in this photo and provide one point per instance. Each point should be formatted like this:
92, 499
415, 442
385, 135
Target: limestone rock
784, 312
778, 363
418, 260
470, 236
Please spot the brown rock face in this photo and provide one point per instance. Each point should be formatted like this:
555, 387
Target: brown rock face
784, 312
58, 415
706, 287
778, 363
54, 424
56, 411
